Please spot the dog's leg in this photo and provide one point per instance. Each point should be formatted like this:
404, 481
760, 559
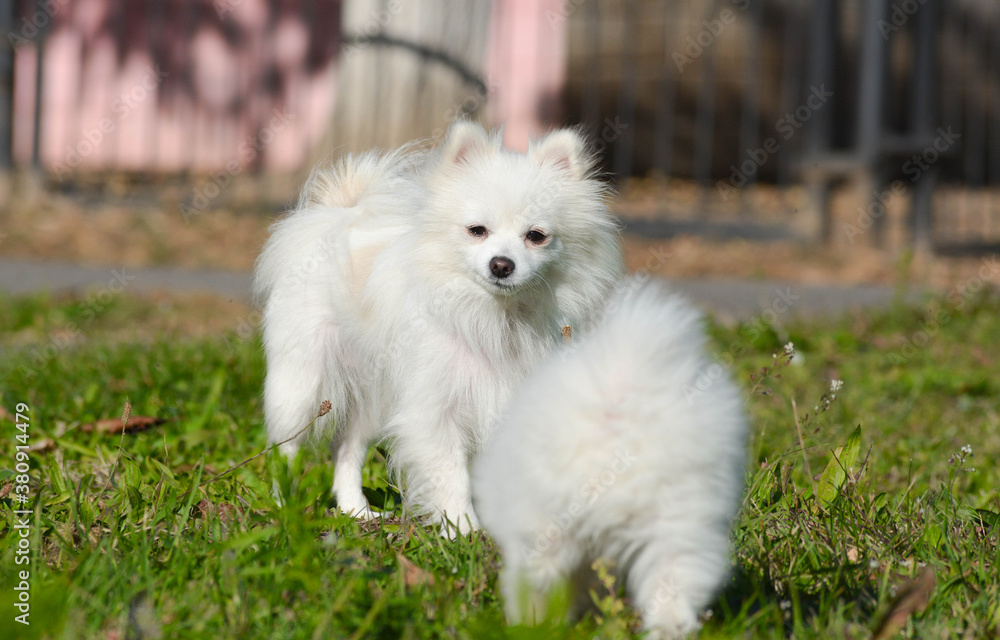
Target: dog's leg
670, 586
435, 461
448, 491
539, 585
295, 382
288, 407
349, 459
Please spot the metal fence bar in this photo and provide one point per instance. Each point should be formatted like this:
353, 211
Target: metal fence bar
791, 79
871, 96
819, 72
974, 143
924, 76
705, 118
624, 145
750, 98
591, 99
663, 125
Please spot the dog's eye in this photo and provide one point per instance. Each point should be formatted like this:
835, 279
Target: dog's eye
536, 237
478, 231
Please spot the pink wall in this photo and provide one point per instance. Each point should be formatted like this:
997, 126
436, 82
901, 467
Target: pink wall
526, 67
205, 85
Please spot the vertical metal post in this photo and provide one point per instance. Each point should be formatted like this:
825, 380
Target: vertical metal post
820, 72
663, 131
750, 103
871, 96
924, 121
792, 45
705, 117
624, 145
591, 98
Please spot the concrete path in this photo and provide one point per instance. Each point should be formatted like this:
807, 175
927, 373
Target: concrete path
728, 299
19, 277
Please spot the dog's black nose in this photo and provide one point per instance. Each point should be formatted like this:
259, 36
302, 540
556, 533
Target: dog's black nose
501, 266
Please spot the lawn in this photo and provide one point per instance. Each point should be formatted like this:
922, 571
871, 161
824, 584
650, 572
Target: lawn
897, 539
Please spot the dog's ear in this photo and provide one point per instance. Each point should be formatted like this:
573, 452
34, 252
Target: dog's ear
563, 149
465, 140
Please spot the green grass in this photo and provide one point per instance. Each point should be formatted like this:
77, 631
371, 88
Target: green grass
141, 557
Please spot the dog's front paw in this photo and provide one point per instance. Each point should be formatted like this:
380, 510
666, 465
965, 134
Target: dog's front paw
359, 509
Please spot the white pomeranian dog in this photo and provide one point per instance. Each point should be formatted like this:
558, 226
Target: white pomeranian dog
415, 291
615, 449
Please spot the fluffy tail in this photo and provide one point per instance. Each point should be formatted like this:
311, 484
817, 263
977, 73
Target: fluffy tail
344, 184
354, 184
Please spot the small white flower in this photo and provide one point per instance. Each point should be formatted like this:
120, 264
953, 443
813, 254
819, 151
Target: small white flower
785, 605
789, 348
835, 385
967, 450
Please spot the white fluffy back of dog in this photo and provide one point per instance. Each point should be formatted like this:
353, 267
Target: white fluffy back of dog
609, 451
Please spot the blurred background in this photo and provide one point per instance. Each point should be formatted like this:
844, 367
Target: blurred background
813, 139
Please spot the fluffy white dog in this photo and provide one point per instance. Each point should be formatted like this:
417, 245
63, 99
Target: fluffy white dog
610, 451
416, 290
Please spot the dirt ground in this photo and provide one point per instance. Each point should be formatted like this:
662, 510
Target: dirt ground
116, 231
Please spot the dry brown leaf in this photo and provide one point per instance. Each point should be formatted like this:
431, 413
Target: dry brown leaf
5, 415
412, 574
46, 444
223, 510
113, 426
205, 507
852, 554
911, 598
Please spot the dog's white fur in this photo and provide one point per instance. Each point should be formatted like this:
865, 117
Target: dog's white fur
377, 297
610, 451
